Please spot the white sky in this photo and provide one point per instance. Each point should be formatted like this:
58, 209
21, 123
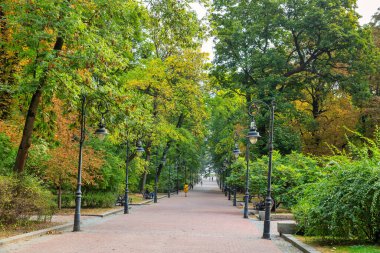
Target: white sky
366, 8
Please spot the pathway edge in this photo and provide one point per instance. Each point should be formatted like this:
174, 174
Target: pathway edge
35, 234
62, 227
298, 244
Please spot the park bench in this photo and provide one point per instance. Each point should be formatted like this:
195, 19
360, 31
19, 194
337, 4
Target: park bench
148, 195
120, 201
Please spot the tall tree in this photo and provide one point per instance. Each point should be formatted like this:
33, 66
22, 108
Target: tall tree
63, 44
277, 49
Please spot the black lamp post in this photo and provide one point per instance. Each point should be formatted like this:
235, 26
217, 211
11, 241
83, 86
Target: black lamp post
236, 153
139, 150
155, 186
177, 165
101, 132
253, 139
246, 197
225, 165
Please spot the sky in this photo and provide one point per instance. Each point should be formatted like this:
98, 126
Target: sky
366, 8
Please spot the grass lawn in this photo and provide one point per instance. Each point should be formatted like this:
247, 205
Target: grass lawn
330, 246
17, 229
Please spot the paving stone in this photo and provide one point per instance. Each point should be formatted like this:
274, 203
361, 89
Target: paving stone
204, 221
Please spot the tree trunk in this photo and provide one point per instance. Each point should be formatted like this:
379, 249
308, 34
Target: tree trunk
168, 144
146, 171
60, 194
26, 139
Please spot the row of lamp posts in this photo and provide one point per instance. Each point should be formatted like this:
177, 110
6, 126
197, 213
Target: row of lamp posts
252, 138
101, 132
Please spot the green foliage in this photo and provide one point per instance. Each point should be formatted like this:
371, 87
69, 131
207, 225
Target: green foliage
38, 155
7, 154
237, 174
309, 51
99, 199
290, 173
22, 197
346, 202
68, 200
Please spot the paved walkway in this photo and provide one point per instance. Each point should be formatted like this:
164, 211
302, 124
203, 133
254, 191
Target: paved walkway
202, 222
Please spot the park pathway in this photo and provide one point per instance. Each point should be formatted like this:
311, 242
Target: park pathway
203, 222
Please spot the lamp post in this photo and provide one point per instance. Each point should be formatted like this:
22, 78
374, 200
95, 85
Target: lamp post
236, 153
245, 214
253, 138
225, 165
177, 165
101, 132
139, 150
169, 182
155, 187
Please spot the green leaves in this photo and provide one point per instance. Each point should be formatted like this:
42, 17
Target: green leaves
345, 202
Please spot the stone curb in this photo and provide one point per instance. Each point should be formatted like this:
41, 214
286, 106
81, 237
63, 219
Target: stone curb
35, 234
41, 232
109, 213
299, 245
147, 201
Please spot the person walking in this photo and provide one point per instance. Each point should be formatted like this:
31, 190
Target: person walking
185, 189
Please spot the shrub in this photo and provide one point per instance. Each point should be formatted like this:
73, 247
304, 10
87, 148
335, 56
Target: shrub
21, 197
99, 199
68, 200
345, 204
290, 172
7, 154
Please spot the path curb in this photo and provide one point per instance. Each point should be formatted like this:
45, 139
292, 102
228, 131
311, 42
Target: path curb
298, 244
45, 231
147, 201
34, 234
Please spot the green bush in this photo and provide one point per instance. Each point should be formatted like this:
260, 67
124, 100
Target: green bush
22, 197
289, 173
7, 155
68, 200
99, 199
345, 204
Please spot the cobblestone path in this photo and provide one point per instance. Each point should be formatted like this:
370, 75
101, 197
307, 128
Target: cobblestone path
204, 221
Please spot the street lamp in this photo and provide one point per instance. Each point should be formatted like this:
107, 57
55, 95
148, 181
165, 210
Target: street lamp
155, 186
101, 132
225, 165
253, 135
177, 165
139, 150
236, 153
